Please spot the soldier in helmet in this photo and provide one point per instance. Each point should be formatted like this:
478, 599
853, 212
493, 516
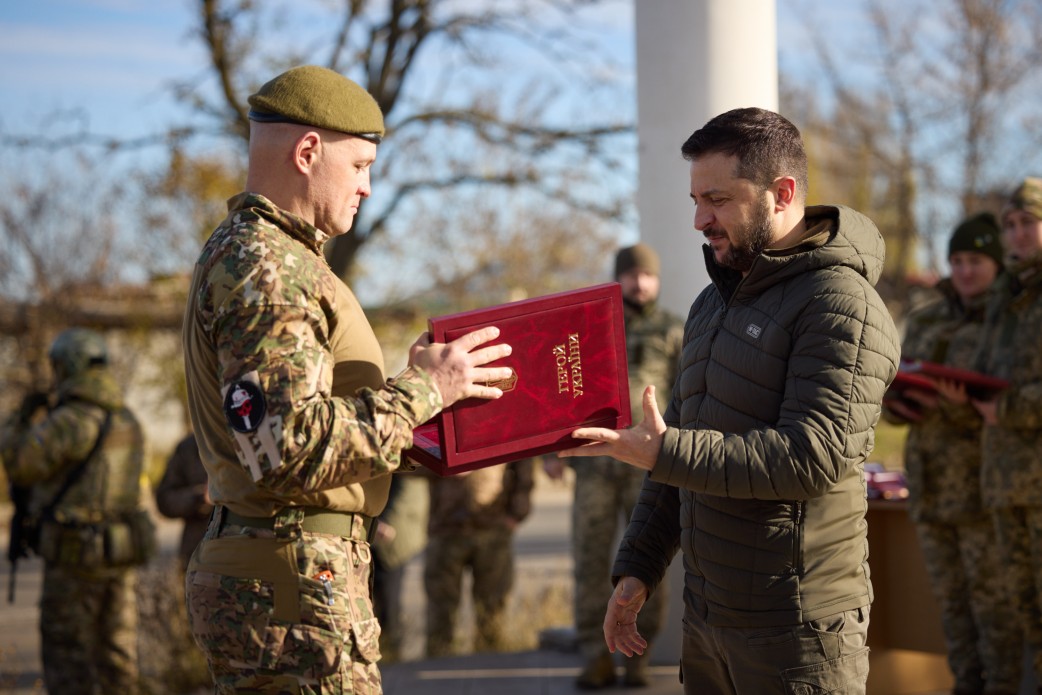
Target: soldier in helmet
83, 458
297, 426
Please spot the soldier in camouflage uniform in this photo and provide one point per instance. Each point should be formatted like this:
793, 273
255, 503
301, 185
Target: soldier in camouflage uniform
400, 535
83, 460
605, 489
473, 516
182, 494
297, 427
1012, 442
942, 460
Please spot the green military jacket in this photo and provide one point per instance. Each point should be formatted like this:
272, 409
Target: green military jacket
943, 449
44, 455
1012, 466
760, 480
653, 341
285, 377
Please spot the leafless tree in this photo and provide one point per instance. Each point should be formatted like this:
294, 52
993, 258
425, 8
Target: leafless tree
447, 76
945, 119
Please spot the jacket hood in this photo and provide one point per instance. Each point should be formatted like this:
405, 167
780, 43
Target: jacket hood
94, 386
836, 236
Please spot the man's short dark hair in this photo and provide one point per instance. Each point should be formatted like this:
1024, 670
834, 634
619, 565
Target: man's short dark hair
766, 145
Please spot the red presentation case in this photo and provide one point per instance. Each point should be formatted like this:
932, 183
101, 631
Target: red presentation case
917, 374
569, 362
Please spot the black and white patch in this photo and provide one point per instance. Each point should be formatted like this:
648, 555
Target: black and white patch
244, 406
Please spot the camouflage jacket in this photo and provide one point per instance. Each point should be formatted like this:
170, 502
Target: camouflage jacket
482, 498
43, 455
942, 452
285, 376
1012, 466
653, 342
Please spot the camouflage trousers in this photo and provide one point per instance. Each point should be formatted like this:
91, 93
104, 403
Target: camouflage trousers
606, 491
981, 629
1019, 531
282, 615
489, 555
88, 629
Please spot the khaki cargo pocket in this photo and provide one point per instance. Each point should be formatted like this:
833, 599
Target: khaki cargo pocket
366, 635
845, 675
232, 621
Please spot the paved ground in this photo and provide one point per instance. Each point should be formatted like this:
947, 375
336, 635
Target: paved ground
534, 672
544, 587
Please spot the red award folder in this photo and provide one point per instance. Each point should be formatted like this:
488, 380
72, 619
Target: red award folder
569, 364
917, 374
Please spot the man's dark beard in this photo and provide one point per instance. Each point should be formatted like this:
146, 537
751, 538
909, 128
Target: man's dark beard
758, 237
635, 304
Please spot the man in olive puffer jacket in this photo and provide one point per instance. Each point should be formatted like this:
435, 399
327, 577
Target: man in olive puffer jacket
756, 469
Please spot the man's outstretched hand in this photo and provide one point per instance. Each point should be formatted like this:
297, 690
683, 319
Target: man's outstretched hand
638, 446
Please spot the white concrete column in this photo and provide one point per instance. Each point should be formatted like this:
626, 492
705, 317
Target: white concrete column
695, 59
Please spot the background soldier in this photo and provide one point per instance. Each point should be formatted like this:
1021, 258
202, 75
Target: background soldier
606, 489
1012, 467
473, 516
83, 460
401, 534
942, 460
182, 494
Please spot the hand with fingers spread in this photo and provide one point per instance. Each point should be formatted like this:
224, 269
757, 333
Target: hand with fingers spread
954, 391
620, 620
456, 367
638, 446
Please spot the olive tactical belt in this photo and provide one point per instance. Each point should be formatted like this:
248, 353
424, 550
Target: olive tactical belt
316, 520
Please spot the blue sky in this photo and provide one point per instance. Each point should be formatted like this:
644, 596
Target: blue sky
106, 60
109, 60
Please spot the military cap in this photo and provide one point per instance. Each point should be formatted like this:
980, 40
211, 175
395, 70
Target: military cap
980, 233
639, 256
1027, 197
320, 97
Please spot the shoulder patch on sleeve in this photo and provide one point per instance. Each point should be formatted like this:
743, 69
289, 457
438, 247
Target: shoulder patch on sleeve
244, 406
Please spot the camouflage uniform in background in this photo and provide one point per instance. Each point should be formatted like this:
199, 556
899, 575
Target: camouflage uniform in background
472, 520
88, 609
298, 431
606, 490
181, 494
1012, 464
407, 513
942, 461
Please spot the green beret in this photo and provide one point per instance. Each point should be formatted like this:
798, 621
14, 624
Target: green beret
317, 96
639, 256
1027, 197
978, 233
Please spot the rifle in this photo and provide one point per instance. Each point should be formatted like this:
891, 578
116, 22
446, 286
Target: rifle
24, 527
24, 534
